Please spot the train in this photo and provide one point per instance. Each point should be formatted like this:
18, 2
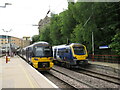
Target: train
71, 55
39, 55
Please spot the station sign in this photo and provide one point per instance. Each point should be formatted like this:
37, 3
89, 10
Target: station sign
104, 47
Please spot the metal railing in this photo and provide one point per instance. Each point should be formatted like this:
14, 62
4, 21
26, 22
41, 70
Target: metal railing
105, 58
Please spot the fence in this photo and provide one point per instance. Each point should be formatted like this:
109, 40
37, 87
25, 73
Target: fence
105, 58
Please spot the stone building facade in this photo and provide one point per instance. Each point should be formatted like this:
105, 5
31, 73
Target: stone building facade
43, 22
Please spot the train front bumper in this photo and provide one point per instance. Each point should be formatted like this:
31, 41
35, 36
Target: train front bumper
42, 63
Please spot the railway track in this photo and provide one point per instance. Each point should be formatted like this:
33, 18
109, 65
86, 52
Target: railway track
70, 80
60, 83
105, 77
85, 80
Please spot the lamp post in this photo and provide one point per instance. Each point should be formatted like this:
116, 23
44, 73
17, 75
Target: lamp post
6, 44
4, 30
5, 5
93, 46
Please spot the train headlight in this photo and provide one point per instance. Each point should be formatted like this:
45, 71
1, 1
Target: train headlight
74, 58
35, 59
51, 58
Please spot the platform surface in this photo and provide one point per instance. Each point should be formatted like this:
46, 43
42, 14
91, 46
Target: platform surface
113, 65
18, 74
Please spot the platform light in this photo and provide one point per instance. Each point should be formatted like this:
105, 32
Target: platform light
8, 4
5, 5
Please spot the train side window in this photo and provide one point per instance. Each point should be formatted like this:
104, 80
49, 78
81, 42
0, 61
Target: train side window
31, 53
66, 50
58, 52
62, 52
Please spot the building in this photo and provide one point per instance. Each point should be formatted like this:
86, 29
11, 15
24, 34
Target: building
26, 41
43, 22
8, 43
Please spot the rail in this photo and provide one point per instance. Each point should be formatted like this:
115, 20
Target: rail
105, 77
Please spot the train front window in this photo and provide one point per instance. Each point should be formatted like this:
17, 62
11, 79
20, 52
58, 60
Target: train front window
48, 51
39, 51
43, 51
79, 50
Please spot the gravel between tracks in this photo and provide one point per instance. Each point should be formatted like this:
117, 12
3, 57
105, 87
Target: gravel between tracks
57, 82
69, 80
105, 69
87, 79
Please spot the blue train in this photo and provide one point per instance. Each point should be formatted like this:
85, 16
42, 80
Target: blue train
71, 55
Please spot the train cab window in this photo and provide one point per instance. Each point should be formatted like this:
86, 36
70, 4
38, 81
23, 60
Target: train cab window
43, 51
79, 50
47, 51
39, 51
66, 50
59, 52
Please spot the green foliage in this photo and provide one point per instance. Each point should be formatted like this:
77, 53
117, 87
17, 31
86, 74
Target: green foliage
55, 33
68, 23
81, 19
45, 34
115, 45
35, 38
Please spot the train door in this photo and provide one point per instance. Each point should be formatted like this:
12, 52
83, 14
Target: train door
55, 51
58, 54
67, 54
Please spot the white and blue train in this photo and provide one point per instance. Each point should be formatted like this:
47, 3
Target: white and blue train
74, 54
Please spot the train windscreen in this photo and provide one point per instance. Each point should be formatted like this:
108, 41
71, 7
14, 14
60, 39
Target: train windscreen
79, 50
43, 51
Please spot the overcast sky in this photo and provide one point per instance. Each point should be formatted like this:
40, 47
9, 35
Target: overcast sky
22, 14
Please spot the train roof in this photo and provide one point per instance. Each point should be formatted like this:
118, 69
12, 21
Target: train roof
41, 42
66, 46
76, 44
37, 43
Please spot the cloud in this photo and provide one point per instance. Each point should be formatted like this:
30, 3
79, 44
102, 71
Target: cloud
22, 14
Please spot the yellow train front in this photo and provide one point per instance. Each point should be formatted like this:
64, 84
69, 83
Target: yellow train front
39, 55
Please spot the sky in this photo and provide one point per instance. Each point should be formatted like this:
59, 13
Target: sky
23, 14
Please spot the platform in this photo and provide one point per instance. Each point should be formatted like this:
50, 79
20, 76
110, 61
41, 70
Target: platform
114, 67
18, 74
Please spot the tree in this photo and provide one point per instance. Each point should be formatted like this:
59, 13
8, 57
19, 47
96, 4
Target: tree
81, 19
115, 45
55, 33
35, 38
68, 23
45, 34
